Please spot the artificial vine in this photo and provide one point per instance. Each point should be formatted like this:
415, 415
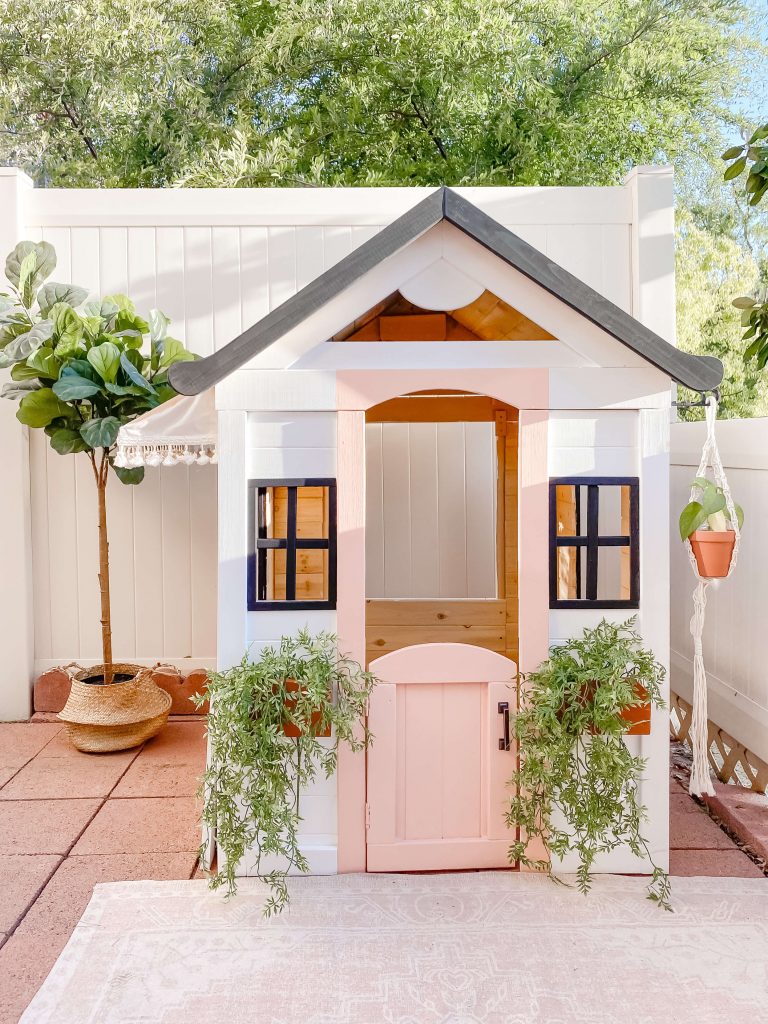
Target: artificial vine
255, 774
577, 785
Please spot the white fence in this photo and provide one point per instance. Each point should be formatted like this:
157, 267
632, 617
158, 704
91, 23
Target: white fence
736, 633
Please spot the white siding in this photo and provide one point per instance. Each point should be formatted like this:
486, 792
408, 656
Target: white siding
284, 446
430, 510
216, 262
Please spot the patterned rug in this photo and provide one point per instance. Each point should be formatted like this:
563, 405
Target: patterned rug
496, 948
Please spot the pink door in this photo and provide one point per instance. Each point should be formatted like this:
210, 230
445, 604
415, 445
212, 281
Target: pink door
440, 758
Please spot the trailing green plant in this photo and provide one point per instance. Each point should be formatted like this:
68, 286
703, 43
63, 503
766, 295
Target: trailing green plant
577, 786
710, 509
252, 787
79, 371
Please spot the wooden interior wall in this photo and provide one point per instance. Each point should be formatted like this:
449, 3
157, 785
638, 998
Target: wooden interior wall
491, 623
311, 566
566, 557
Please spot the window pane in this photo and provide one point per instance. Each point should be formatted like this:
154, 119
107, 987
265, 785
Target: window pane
613, 574
613, 515
571, 510
571, 573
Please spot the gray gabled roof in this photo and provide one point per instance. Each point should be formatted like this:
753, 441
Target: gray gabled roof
700, 373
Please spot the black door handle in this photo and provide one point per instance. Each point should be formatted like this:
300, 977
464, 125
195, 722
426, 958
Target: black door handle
504, 710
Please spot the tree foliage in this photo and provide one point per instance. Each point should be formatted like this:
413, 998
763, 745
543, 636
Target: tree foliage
359, 91
79, 370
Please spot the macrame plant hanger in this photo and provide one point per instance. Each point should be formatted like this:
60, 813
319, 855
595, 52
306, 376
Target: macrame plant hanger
699, 734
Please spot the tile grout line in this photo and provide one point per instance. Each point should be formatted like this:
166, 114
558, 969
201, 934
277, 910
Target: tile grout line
36, 896
65, 856
31, 759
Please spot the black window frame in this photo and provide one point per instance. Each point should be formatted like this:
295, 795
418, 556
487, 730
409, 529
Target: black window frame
592, 540
259, 545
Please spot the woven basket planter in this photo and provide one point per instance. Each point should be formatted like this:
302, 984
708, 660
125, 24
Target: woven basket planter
115, 717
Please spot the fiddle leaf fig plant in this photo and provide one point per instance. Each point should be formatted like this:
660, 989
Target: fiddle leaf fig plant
251, 789
710, 510
80, 370
577, 787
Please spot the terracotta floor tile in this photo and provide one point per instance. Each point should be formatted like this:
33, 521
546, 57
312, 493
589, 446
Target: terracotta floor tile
178, 743
43, 826
28, 955
61, 772
20, 741
150, 778
169, 765
682, 803
22, 877
167, 825
697, 831
713, 863
6, 774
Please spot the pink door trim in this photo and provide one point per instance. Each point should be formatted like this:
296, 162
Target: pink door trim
358, 390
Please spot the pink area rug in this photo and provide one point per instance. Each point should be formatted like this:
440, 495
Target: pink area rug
497, 948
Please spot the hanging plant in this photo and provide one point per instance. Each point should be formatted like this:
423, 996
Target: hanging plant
577, 785
265, 726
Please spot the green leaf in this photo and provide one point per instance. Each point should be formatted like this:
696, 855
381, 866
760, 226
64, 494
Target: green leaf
739, 514
134, 375
174, 352
703, 482
71, 387
101, 432
732, 153
39, 408
104, 309
105, 359
68, 331
18, 389
691, 518
66, 441
54, 292
735, 169
129, 476
128, 324
126, 389
121, 301
45, 362
21, 371
27, 278
23, 346
158, 325
744, 302
45, 261
712, 501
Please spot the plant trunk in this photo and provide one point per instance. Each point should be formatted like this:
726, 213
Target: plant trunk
101, 474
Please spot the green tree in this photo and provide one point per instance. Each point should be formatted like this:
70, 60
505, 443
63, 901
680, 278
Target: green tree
710, 265
360, 91
79, 371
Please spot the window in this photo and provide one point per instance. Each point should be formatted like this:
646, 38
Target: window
292, 544
594, 558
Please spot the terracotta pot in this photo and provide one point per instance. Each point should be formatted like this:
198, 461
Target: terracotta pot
293, 730
712, 550
639, 716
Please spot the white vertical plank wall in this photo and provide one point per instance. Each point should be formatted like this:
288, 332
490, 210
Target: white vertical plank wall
215, 262
430, 510
735, 637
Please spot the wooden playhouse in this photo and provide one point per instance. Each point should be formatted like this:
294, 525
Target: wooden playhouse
451, 451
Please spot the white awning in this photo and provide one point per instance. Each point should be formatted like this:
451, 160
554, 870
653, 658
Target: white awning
182, 430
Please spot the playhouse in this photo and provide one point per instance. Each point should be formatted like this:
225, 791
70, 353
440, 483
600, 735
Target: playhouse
441, 432
451, 451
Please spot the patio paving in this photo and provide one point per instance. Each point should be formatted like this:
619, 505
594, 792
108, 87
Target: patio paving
70, 820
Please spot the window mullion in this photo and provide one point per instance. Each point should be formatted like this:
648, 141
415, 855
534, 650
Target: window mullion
592, 540
290, 547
